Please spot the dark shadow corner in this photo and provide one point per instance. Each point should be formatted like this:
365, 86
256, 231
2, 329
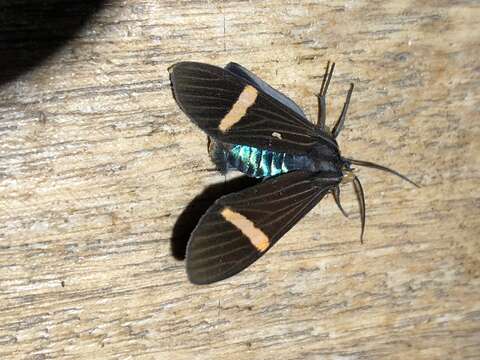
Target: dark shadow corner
32, 30
189, 218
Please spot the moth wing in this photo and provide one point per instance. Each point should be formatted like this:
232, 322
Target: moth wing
232, 109
253, 79
240, 227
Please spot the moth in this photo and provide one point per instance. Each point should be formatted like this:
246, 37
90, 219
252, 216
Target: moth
259, 131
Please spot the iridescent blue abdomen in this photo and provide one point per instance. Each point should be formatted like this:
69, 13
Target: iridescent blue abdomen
260, 163
263, 163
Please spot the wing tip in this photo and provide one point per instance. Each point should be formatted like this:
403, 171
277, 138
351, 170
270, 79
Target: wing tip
196, 278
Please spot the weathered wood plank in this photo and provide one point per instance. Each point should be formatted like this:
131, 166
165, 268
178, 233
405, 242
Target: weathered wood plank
97, 163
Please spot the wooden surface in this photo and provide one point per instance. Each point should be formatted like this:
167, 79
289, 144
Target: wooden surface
97, 163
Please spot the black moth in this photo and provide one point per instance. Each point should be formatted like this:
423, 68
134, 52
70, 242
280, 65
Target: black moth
261, 132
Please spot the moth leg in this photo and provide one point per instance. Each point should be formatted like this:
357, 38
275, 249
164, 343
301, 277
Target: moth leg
341, 120
336, 197
218, 155
209, 144
361, 202
322, 109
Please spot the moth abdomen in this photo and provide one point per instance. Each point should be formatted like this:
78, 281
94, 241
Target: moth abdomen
261, 163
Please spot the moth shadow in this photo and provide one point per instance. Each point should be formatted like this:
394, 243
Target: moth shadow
190, 216
31, 31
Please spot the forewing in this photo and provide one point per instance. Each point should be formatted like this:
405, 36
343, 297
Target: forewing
239, 70
233, 110
240, 227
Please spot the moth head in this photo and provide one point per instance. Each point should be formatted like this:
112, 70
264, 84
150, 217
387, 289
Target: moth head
348, 172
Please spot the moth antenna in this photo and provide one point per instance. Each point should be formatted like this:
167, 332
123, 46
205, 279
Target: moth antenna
383, 168
336, 196
326, 78
361, 202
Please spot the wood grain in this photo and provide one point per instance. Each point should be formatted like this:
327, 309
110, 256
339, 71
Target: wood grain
97, 162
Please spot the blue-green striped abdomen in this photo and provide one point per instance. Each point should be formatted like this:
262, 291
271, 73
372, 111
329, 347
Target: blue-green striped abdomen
263, 163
